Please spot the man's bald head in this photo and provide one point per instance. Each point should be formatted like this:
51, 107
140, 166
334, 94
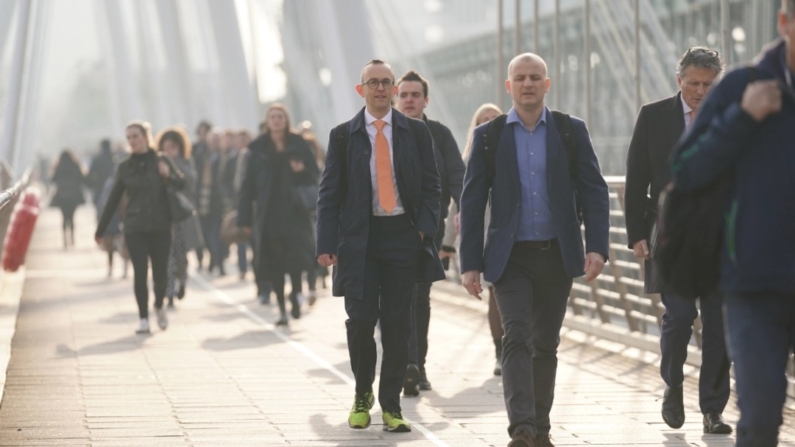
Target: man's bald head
526, 57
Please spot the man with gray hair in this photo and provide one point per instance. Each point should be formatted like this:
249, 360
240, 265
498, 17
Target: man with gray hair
658, 128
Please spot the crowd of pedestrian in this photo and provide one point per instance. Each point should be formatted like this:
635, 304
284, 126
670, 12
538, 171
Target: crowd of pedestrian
525, 210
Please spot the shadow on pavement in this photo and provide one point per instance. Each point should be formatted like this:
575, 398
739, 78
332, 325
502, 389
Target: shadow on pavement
128, 343
246, 340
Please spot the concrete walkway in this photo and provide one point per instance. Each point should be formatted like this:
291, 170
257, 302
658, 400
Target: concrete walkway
222, 375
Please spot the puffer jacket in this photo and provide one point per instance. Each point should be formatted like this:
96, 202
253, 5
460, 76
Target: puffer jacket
148, 205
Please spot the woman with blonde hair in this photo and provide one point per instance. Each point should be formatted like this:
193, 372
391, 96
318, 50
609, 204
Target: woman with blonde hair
483, 114
281, 175
186, 235
145, 176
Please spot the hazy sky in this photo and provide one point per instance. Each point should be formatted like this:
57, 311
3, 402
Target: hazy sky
72, 49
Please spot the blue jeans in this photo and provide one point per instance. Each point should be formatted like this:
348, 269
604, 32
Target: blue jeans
761, 331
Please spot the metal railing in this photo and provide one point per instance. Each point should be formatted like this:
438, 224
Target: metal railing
11, 193
9, 196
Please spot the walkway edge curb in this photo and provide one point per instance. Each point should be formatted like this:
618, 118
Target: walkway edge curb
11, 286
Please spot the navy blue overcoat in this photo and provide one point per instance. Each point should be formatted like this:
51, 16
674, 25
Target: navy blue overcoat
506, 202
344, 205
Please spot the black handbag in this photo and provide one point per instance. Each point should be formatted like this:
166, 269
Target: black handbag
181, 206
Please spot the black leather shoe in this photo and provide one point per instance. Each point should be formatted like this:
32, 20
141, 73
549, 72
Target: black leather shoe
715, 425
522, 439
673, 407
543, 441
411, 381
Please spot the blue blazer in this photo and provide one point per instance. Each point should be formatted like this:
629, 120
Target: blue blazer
506, 202
344, 205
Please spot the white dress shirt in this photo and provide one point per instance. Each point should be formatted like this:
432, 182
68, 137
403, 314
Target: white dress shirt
372, 131
687, 110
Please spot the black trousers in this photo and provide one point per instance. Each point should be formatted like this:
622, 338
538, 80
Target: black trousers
143, 247
390, 272
677, 327
273, 265
531, 295
421, 315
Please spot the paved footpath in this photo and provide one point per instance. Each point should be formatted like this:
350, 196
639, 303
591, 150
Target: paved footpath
222, 375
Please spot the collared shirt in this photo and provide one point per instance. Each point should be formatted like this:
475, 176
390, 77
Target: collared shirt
535, 217
787, 71
372, 131
686, 108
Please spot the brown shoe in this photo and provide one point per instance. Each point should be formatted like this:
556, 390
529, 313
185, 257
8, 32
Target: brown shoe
522, 439
544, 440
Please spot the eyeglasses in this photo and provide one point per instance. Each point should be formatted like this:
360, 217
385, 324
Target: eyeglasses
374, 83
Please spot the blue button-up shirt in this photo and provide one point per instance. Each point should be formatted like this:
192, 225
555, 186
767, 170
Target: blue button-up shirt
535, 218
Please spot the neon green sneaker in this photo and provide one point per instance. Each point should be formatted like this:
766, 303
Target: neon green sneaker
360, 413
394, 422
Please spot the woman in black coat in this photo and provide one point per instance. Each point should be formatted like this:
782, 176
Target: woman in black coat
144, 176
69, 180
280, 176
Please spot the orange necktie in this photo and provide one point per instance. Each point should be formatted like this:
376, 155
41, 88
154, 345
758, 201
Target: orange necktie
692, 114
383, 169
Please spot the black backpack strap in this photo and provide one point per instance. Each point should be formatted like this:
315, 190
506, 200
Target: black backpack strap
491, 140
566, 130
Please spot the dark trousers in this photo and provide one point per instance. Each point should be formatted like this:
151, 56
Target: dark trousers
531, 295
68, 213
211, 227
143, 247
420, 318
677, 327
420, 321
761, 333
389, 274
274, 265
242, 257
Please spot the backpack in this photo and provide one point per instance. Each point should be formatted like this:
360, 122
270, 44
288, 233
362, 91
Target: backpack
687, 239
566, 130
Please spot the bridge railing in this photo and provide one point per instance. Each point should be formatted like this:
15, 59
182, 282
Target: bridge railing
9, 196
615, 307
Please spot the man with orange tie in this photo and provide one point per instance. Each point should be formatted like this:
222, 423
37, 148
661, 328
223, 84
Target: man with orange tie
377, 216
657, 130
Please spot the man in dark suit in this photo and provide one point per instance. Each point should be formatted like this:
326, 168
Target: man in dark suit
378, 214
412, 100
534, 247
657, 130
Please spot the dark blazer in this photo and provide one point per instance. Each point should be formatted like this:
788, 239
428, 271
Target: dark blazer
344, 207
506, 201
449, 164
658, 128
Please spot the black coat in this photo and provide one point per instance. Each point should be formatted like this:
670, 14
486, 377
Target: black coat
69, 182
449, 164
256, 191
657, 130
148, 206
345, 204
